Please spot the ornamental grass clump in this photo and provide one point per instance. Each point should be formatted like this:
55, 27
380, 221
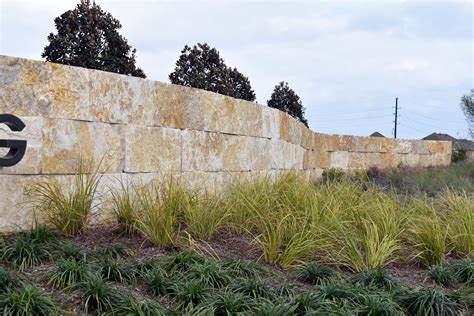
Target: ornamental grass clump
160, 208
68, 210
29, 300
124, 204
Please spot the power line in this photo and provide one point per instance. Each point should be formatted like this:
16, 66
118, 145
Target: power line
351, 113
355, 118
434, 119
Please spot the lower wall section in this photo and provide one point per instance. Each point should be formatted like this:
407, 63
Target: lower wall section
137, 130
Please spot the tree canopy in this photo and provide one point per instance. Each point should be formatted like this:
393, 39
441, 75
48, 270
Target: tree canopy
285, 99
467, 105
88, 37
202, 67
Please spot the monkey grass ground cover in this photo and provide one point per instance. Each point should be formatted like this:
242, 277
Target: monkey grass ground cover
269, 246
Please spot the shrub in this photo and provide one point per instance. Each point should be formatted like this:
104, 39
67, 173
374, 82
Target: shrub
6, 281
463, 270
430, 301
441, 275
66, 250
241, 268
157, 282
317, 274
253, 287
209, 273
68, 211
229, 303
68, 273
96, 295
30, 248
378, 278
29, 300
306, 302
192, 292
181, 261
116, 270
379, 304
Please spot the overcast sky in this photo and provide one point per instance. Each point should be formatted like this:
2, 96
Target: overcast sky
347, 60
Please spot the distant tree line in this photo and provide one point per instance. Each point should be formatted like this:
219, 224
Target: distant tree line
88, 36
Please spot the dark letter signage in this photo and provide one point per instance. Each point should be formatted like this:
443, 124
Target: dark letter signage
17, 147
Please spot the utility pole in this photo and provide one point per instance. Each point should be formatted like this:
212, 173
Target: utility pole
396, 117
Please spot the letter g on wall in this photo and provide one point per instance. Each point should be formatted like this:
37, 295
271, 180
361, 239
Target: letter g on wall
17, 147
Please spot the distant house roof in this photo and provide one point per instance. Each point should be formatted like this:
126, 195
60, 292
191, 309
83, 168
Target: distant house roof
376, 134
463, 143
439, 136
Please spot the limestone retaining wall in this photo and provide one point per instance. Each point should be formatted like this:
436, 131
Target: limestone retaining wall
142, 129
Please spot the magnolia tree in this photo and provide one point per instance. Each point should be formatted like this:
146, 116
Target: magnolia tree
202, 67
286, 100
88, 37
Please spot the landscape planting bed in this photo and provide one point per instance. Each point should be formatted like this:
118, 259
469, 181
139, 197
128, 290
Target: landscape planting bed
282, 246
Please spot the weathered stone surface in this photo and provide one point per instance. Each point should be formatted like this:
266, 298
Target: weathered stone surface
271, 122
420, 147
33, 134
363, 160
179, 107
439, 147
121, 99
152, 149
227, 115
323, 159
310, 159
34, 88
65, 142
290, 129
403, 146
340, 159
327, 142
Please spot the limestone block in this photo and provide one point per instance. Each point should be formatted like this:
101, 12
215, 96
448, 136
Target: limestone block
285, 122
361, 160
36, 88
277, 146
347, 143
402, 146
65, 142
409, 160
204, 151
262, 155
372, 144
232, 116
322, 159
179, 107
14, 213
440, 147
152, 149
339, 159
441, 159
33, 134
308, 138
388, 160
121, 99
310, 160
291, 130
327, 142
271, 122
420, 147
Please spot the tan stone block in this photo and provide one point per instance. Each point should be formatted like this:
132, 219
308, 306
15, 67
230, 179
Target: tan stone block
121, 99
271, 122
442, 159
152, 149
339, 159
203, 151
36, 88
358, 160
310, 159
323, 159
179, 107
285, 121
440, 147
388, 160
14, 213
33, 134
346, 143
66, 142
420, 147
232, 116
308, 140
402, 146
409, 160
327, 142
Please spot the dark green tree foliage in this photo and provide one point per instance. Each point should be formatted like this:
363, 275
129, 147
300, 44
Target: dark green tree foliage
202, 67
467, 105
88, 37
285, 99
